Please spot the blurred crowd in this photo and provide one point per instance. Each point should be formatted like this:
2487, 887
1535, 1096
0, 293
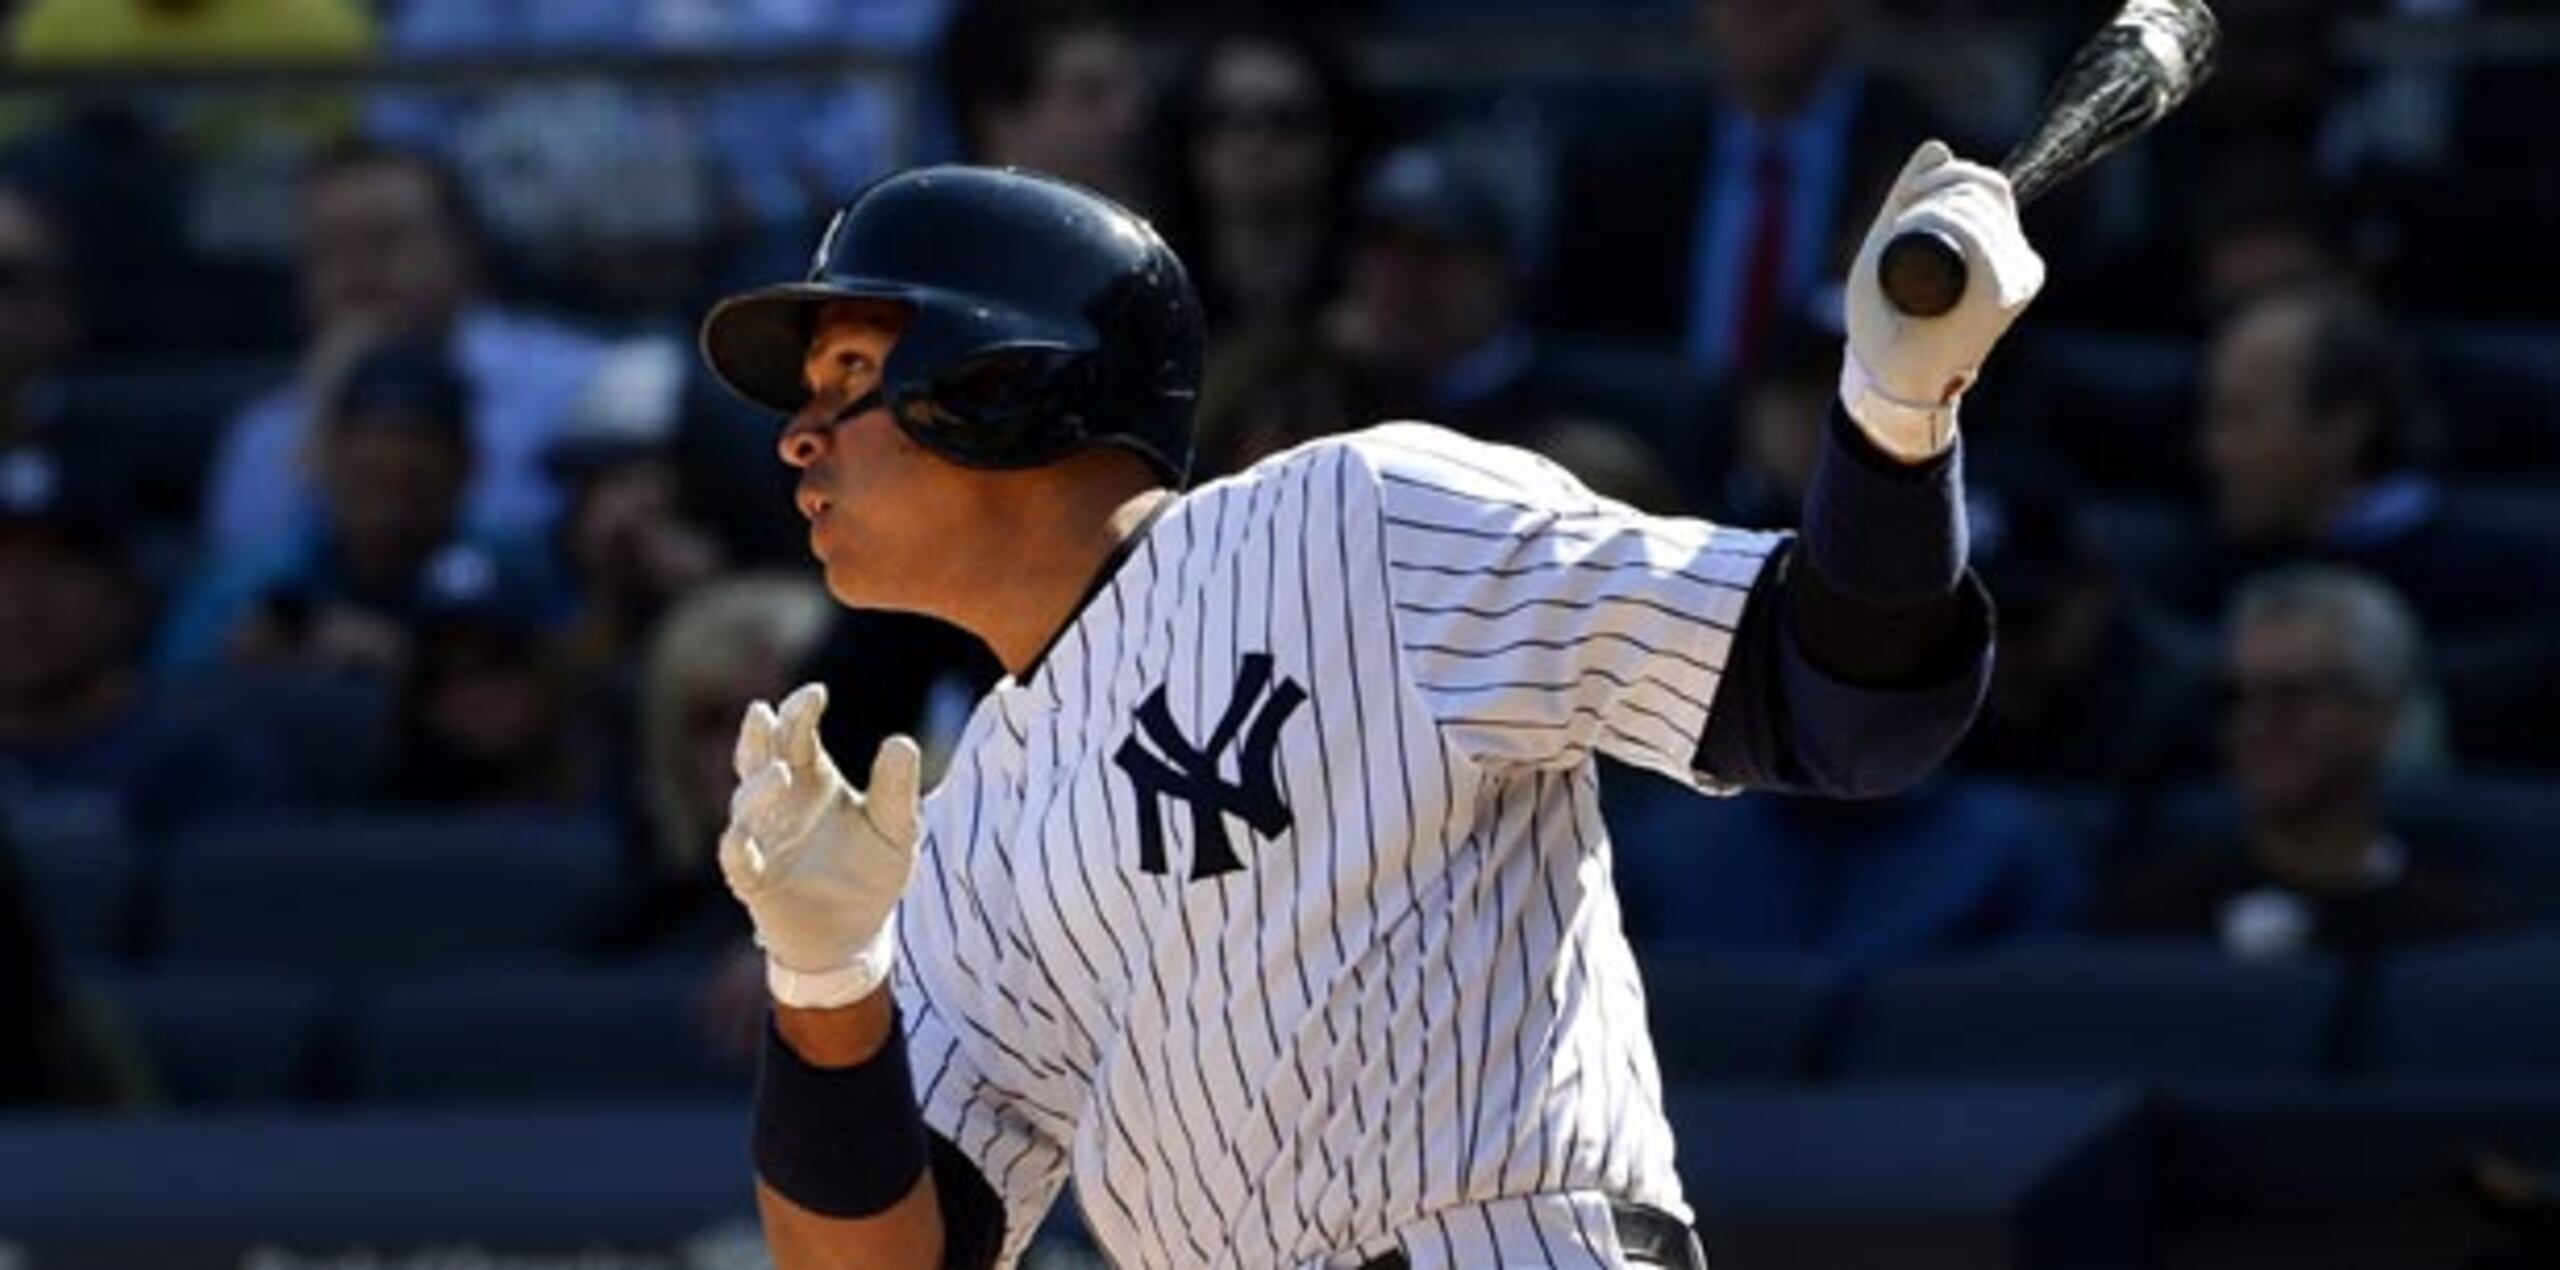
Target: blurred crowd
355, 462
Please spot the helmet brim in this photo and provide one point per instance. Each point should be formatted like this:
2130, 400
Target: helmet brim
757, 341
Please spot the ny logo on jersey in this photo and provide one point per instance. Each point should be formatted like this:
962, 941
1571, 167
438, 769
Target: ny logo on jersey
1177, 769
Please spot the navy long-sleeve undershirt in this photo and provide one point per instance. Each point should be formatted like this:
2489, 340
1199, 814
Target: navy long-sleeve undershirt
1865, 648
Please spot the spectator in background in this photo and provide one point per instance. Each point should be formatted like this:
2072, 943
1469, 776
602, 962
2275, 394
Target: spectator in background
1054, 86
1712, 230
2313, 431
394, 453
389, 250
39, 323
1430, 312
2325, 682
487, 715
626, 542
1265, 136
84, 736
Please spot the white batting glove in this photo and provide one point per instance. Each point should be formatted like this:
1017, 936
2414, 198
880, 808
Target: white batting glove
1903, 375
819, 864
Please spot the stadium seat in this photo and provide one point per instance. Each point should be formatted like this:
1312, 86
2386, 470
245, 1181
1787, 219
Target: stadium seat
2528, 508
356, 898
2475, 1008
2339, 1176
2134, 1009
2500, 386
80, 890
1737, 1017
628, 1185
557, 1036
220, 1037
2495, 830
1915, 1176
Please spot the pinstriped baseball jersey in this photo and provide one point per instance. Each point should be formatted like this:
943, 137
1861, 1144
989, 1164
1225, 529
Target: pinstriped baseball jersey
1274, 904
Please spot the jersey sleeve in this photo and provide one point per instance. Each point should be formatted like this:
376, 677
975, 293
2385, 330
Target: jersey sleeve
988, 1126
1541, 622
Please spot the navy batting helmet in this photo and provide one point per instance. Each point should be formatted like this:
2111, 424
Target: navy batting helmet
1041, 319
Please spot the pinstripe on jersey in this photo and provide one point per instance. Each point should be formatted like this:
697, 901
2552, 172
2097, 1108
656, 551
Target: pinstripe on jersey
1412, 998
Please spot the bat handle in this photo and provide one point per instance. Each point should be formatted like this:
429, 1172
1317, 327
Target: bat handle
1922, 272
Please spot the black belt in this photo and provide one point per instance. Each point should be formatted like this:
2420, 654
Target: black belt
1651, 1237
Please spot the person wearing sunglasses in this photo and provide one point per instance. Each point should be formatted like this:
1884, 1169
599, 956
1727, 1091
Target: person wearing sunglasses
2323, 689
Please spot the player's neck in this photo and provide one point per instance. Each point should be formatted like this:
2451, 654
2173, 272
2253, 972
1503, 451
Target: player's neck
1056, 562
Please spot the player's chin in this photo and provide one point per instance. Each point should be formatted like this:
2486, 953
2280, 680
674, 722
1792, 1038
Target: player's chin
846, 583
855, 582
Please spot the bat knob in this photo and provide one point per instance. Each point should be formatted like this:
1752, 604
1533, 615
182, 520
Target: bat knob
1922, 272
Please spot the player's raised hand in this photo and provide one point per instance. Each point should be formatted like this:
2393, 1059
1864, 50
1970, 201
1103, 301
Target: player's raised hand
1903, 373
819, 864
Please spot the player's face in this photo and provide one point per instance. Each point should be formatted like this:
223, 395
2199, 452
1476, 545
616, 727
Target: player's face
870, 494
2299, 728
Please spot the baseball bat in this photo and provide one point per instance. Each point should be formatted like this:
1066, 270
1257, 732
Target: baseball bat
2125, 79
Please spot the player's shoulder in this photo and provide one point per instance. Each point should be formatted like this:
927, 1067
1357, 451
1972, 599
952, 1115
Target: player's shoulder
1395, 459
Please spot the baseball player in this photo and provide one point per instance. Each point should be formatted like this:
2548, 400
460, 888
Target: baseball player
1268, 895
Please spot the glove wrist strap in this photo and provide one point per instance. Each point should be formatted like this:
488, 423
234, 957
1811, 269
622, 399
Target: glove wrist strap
1911, 431
841, 986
